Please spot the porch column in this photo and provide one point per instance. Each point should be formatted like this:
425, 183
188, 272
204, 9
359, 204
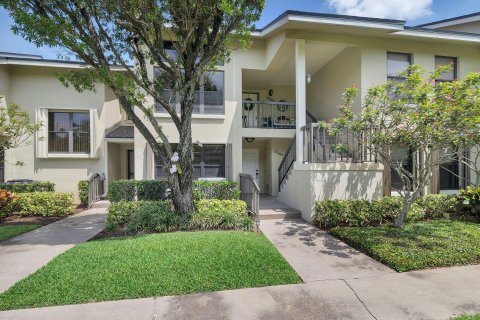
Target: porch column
301, 100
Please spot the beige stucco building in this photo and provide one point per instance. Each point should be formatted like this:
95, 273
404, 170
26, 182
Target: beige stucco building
253, 113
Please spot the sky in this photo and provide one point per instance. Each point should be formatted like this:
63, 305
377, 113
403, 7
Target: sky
413, 11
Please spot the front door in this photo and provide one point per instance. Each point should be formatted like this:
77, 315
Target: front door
251, 164
130, 164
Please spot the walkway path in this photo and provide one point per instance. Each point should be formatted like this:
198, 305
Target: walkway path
25, 254
315, 255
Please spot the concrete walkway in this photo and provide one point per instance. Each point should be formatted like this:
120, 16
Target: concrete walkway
271, 208
315, 255
25, 254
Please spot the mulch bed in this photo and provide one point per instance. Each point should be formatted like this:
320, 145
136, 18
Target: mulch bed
43, 221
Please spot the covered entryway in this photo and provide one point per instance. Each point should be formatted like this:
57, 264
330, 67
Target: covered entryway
120, 156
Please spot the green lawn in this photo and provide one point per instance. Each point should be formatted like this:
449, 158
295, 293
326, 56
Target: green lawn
7, 232
476, 317
153, 265
421, 245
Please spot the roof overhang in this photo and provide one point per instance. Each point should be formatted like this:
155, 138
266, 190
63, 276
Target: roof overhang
50, 63
474, 17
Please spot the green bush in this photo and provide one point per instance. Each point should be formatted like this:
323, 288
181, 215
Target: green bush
157, 216
6, 198
122, 190
151, 190
38, 186
221, 190
219, 214
83, 192
360, 213
469, 198
153, 216
45, 204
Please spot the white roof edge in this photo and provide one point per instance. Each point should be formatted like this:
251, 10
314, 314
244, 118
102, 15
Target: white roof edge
437, 34
326, 20
452, 22
50, 63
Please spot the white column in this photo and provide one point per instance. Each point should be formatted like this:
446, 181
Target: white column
301, 100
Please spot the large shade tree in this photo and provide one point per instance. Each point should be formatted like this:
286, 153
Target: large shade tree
434, 120
121, 32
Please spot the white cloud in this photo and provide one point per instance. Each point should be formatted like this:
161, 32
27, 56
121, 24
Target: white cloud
392, 9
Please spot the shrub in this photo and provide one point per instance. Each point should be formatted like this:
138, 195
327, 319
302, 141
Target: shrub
219, 214
6, 197
38, 186
359, 213
158, 216
221, 190
83, 192
122, 190
469, 198
151, 190
45, 204
153, 216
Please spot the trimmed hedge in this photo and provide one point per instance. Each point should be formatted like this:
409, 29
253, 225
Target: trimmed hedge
158, 216
156, 190
83, 192
45, 204
38, 186
128, 190
222, 190
361, 213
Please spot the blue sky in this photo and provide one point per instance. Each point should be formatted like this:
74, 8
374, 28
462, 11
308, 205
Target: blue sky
414, 11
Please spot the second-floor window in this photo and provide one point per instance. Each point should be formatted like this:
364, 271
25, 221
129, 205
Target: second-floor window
209, 94
446, 61
68, 132
396, 64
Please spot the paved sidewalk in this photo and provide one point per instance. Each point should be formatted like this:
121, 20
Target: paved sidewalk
315, 255
25, 254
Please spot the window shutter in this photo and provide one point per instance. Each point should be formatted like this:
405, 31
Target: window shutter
93, 132
228, 161
41, 136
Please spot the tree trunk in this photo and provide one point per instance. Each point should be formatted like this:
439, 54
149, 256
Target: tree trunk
400, 221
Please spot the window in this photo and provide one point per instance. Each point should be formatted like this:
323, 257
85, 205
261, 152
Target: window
446, 61
401, 154
2, 166
69, 132
396, 64
209, 94
208, 162
450, 173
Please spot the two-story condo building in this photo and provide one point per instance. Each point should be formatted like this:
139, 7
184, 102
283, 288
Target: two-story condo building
255, 114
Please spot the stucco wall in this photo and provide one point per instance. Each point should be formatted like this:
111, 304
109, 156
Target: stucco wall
37, 87
309, 183
324, 93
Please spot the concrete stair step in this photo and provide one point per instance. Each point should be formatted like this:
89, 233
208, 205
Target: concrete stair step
279, 214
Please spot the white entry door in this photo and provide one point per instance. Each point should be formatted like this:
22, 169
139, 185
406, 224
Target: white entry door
251, 164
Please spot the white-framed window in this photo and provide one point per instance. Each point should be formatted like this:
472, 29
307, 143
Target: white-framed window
66, 133
69, 132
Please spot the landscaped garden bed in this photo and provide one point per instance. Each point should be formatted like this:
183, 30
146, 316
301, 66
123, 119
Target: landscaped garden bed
438, 233
418, 245
465, 317
153, 265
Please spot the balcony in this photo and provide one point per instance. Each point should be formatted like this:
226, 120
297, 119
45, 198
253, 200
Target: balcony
268, 114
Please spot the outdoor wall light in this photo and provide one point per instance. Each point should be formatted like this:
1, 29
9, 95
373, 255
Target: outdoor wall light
249, 140
308, 78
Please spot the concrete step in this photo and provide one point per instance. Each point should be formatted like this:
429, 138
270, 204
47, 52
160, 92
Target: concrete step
279, 214
100, 204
